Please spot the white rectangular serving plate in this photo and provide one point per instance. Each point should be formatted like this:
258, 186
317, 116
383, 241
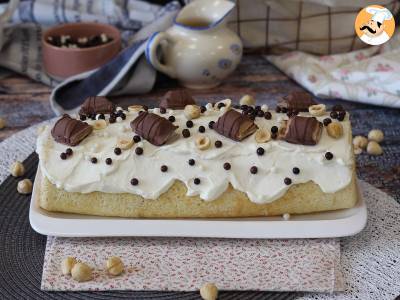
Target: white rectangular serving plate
345, 222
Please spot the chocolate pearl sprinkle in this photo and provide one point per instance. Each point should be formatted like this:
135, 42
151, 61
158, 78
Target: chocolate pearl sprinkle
136, 139
211, 124
191, 162
185, 133
164, 168
287, 181
267, 115
218, 144
93, 160
296, 170
68, 151
82, 117
328, 155
203, 109
134, 181
274, 129
189, 124
171, 119
63, 156
108, 161
253, 170
227, 166
274, 135
334, 114
196, 181
202, 129
260, 151
162, 110
327, 121
139, 151
117, 151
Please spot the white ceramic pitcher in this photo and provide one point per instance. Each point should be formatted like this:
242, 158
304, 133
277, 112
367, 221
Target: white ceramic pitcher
199, 49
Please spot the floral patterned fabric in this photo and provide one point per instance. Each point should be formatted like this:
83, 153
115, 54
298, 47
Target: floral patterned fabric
185, 264
370, 75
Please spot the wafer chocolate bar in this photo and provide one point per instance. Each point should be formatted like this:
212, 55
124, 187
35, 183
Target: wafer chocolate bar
296, 101
303, 130
153, 128
97, 105
70, 131
235, 125
177, 99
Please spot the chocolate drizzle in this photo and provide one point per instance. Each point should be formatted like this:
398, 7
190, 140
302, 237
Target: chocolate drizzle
235, 125
296, 101
177, 99
70, 131
97, 105
153, 128
303, 130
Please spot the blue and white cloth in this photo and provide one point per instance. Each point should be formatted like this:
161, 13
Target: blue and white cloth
22, 23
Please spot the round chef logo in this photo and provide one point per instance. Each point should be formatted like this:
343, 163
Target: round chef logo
374, 25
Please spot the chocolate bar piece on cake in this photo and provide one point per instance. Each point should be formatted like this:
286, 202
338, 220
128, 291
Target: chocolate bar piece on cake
235, 125
153, 128
97, 105
70, 131
177, 99
303, 130
296, 101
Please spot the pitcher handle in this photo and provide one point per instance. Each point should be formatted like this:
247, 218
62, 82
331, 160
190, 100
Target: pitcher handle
151, 53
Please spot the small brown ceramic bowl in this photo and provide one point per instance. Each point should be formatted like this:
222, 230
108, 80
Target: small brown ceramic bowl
61, 63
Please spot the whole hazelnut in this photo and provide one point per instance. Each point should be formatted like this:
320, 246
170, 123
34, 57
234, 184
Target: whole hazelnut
247, 100
81, 272
360, 142
24, 186
357, 150
209, 291
374, 148
17, 169
67, 265
376, 135
335, 130
2, 123
192, 112
114, 266
202, 142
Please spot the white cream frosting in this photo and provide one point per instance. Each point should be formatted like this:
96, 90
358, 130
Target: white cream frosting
79, 174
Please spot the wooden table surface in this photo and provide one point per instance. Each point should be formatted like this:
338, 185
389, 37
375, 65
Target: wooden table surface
24, 103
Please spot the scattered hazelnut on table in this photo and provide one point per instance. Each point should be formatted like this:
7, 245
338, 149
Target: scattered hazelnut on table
335, 130
374, 148
192, 112
17, 169
114, 266
24, 187
357, 150
209, 291
2, 123
67, 265
202, 142
262, 135
360, 142
376, 135
81, 272
247, 100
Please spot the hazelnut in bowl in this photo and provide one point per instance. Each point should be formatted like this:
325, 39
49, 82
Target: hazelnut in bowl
73, 48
